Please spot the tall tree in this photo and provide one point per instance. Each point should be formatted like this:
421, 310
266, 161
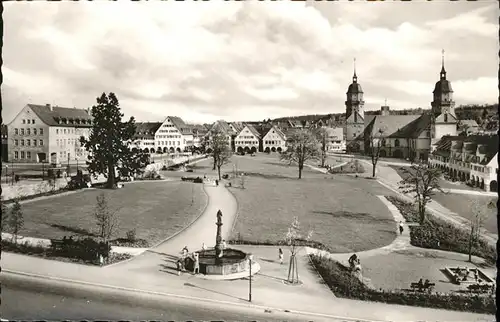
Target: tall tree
422, 182
322, 136
375, 139
109, 143
302, 146
294, 240
106, 220
16, 220
221, 151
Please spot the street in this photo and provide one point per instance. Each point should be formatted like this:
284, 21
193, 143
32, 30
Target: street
25, 298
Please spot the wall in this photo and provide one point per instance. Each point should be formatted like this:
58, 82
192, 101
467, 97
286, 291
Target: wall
445, 129
26, 188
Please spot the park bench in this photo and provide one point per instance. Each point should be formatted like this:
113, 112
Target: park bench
479, 288
422, 287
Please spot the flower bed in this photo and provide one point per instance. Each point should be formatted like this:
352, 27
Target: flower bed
308, 243
438, 234
351, 167
343, 284
40, 251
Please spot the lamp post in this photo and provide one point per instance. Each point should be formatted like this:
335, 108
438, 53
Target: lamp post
6, 173
250, 258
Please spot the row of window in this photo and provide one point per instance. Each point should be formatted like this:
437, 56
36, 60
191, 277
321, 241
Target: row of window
274, 142
168, 136
62, 142
246, 142
65, 131
24, 155
167, 143
28, 142
247, 137
168, 131
28, 121
28, 131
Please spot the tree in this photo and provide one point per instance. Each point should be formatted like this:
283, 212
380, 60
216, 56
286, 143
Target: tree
110, 140
375, 139
5, 215
478, 215
322, 136
422, 181
16, 220
107, 221
221, 152
302, 146
294, 239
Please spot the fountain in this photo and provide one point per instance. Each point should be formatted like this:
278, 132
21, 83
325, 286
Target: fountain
229, 262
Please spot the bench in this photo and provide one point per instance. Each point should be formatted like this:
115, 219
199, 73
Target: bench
422, 287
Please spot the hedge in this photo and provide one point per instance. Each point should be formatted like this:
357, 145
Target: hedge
450, 237
343, 284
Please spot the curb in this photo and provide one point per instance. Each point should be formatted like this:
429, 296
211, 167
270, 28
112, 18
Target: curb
186, 297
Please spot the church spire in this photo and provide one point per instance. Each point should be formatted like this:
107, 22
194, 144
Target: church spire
354, 78
443, 71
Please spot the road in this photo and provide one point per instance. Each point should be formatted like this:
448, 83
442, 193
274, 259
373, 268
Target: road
25, 298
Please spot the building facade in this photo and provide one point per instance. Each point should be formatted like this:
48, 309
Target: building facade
355, 114
144, 138
248, 140
45, 133
173, 135
335, 140
274, 140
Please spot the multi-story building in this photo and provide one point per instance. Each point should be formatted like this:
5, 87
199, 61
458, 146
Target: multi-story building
199, 132
274, 140
46, 133
335, 139
247, 140
226, 130
472, 159
5, 143
173, 136
355, 114
144, 138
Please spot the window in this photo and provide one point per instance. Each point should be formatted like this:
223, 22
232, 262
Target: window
22, 131
16, 131
64, 131
22, 142
57, 131
32, 121
28, 155
41, 142
22, 154
28, 142
16, 155
34, 142
396, 143
34, 131
24, 121
16, 142
41, 131
28, 131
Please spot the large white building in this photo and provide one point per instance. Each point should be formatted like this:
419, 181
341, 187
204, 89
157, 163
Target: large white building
173, 135
335, 139
274, 140
46, 133
247, 140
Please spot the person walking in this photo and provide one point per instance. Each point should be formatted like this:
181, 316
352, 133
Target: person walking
401, 228
196, 269
224, 245
179, 267
101, 260
280, 255
216, 182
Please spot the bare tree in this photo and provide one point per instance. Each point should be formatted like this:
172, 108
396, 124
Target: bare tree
302, 146
479, 213
322, 136
107, 221
422, 181
16, 220
221, 151
293, 239
375, 139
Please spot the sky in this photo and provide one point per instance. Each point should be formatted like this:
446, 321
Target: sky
245, 61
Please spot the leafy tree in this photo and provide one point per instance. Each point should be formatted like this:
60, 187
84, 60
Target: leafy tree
322, 135
302, 146
5, 215
375, 139
295, 240
107, 221
221, 152
421, 181
16, 220
110, 140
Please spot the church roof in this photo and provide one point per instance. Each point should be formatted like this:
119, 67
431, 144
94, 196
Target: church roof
442, 86
355, 87
414, 128
390, 124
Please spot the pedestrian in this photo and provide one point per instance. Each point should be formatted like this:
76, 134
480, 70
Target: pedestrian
203, 246
216, 182
179, 267
101, 260
224, 244
280, 255
401, 228
196, 269
185, 251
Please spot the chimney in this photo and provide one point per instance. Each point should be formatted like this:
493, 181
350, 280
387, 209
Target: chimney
50, 107
385, 110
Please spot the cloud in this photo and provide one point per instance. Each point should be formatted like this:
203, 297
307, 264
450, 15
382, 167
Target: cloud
242, 60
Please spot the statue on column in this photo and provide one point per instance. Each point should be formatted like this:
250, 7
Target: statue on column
218, 238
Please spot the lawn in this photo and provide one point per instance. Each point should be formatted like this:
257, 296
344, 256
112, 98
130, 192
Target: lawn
344, 213
156, 210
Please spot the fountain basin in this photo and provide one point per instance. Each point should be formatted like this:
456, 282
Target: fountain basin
233, 261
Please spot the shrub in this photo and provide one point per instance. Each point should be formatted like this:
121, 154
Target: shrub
450, 237
351, 167
343, 284
131, 235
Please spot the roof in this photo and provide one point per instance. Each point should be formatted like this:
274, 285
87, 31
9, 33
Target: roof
335, 132
354, 88
295, 123
488, 145
442, 86
390, 123
414, 128
238, 126
51, 117
223, 126
469, 123
180, 125
277, 131
199, 129
252, 130
146, 129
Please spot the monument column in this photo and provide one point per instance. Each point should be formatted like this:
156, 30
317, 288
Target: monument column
218, 238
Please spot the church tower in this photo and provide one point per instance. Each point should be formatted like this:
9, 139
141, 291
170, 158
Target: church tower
355, 114
444, 121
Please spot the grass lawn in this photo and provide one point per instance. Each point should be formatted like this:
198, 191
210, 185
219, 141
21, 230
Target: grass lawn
409, 266
344, 213
156, 210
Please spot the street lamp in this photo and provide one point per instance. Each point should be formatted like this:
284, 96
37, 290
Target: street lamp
250, 258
